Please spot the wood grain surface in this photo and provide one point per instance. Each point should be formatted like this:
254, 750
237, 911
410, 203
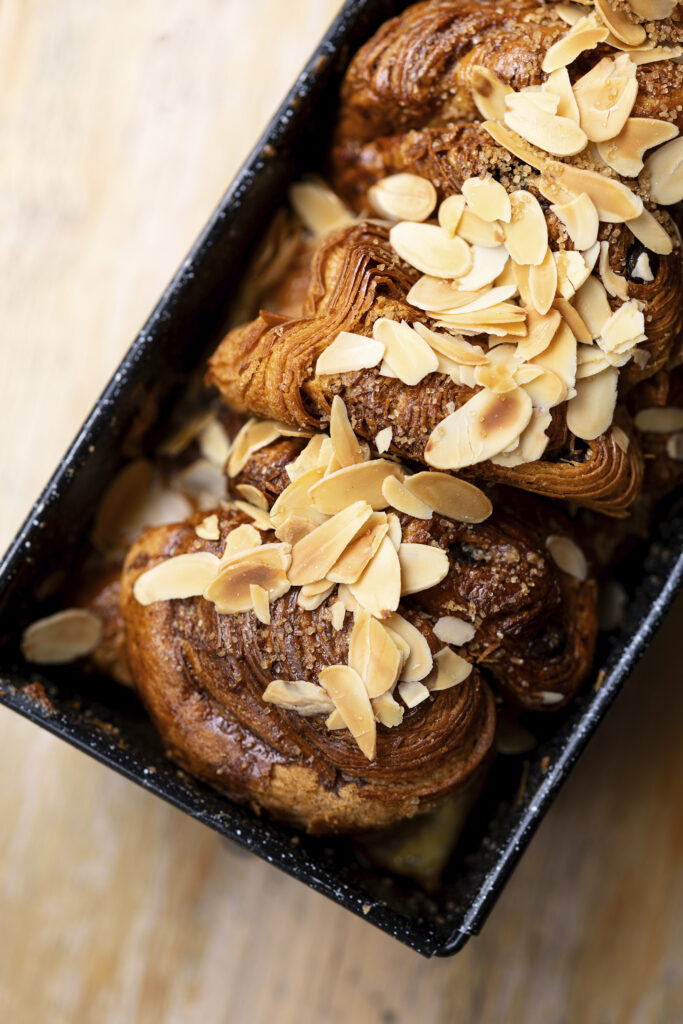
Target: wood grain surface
120, 125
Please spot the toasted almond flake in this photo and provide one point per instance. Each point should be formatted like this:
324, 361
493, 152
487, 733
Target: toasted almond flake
63, 637
451, 497
477, 231
521, 276
387, 710
335, 721
383, 439
576, 324
543, 283
561, 136
312, 595
451, 670
307, 459
394, 524
487, 264
261, 603
452, 630
567, 556
488, 92
558, 84
560, 356
295, 499
626, 325
653, 10
432, 294
135, 499
299, 695
344, 441
545, 392
362, 482
319, 208
590, 257
502, 319
176, 578
403, 197
359, 643
593, 306
572, 272
449, 213
674, 447
614, 201
526, 236
422, 567
580, 218
456, 349
354, 559
346, 689
584, 35
349, 352
621, 438
419, 661
379, 588
665, 419
624, 152
605, 96
533, 441
208, 528
651, 55
650, 232
337, 615
257, 515
549, 697
570, 13
409, 356
429, 249
590, 412
265, 566
590, 359
615, 285
242, 538
187, 432
516, 145
484, 426
315, 554
384, 661
619, 24
214, 443
401, 498
487, 299
487, 198
412, 694
254, 434
252, 495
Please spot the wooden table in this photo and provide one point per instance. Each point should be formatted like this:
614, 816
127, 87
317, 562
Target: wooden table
121, 124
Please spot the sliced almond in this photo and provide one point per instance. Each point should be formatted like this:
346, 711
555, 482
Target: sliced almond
615, 285
477, 231
543, 283
362, 482
516, 145
403, 500
384, 660
526, 236
265, 566
208, 528
614, 201
349, 352
214, 443
242, 538
419, 661
621, 438
580, 219
412, 694
296, 500
383, 439
346, 446
499, 373
567, 556
359, 643
533, 441
545, 392
650, 232
578, 328
584, 35
590, 359
665, 419
387, 710
560, 357
449, 214
651, 55
176, 578
558, 84
484, 426
488, 92
541, 329
353, 561
605, 96
429, 249
619, 24
674, 447
252, 495
487, 198
63, 637
456, 349
260, 518
135, 499
590, 412
403, 197
593, 306
422, 567
570, 13
337, 615
346, 689
188, 431
451, 497
394, 524
314, 556
561, 136
432, 294
625, 327
312, 595
379, 588
335, 721
299, 695
254, 434
452, 630
319, 208
407, 353
624, 152
307, 459
653, 10
572, 272
487, 264
451, 670
260, 600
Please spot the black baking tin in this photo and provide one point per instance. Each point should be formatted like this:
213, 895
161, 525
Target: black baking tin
105, 720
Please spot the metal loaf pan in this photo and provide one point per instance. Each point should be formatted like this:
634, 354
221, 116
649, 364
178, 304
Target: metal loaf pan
106, 722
